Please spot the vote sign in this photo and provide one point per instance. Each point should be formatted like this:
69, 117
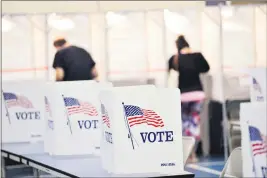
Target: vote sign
139, 124
23, 119
72, 116
254, 139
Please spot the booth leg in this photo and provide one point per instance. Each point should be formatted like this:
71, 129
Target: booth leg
36, 173
3, 167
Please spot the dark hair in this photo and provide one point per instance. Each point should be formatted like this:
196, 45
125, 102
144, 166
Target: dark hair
181, 43
59, 42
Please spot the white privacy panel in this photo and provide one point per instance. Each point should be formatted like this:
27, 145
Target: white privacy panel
38, 42
238, 38
127, 45
211, 48
75, 28
98, 44
260, 35
210, 38
156, 49
17, 48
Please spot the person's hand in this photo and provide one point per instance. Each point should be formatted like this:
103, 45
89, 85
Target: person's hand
59, 74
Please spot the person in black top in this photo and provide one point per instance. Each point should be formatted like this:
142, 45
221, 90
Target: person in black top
73, 63
189, 65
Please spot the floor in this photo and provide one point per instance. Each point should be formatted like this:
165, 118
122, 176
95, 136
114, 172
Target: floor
209, 167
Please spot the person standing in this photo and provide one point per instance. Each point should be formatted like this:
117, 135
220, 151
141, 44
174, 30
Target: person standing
189, 65
73, 63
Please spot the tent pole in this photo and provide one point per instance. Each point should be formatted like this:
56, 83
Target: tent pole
106, 50
33, 62
221, 72
147, 73
164, 47
255, 38
46, 47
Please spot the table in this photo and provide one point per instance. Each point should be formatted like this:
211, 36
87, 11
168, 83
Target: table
33, 154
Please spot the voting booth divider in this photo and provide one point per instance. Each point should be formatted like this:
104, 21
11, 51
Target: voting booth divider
22, 111
133, 129
142, 130
253, 122
254, 137
73, 112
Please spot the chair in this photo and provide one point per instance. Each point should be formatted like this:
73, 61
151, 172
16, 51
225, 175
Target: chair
188, 145
234, 131
233, 166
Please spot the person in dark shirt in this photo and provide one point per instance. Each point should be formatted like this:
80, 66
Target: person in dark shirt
73, 63
189, 65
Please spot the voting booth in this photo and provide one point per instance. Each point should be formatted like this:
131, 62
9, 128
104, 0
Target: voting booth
72, 117
258, 79
254, 139
141, 130
22, 111
253, 122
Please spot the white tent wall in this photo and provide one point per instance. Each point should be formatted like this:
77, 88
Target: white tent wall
210, 29
211, 46
238, 37
137, 47
39, 48
99, 44
261, 35
94, 6
127, 46
17, 49
157, 49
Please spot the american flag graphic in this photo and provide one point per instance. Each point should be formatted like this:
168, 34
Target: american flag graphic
13, 100
256, 85
257, 143
75, 106
105, 117
47, 107
137, 115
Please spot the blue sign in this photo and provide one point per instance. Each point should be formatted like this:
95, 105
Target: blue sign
215, 3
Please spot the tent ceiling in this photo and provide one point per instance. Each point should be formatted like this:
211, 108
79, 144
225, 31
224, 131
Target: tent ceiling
248, 2
93, 6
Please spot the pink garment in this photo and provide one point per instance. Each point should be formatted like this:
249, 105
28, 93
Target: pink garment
192, 96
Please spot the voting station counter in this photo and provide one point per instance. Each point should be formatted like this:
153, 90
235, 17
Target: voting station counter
33, 155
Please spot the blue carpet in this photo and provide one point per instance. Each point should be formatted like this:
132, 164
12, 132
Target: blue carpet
207, 166
201, 173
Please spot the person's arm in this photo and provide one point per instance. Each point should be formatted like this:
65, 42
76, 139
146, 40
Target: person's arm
59, 74
58, 65
202, 64
170, 67
173, 63
93, 71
